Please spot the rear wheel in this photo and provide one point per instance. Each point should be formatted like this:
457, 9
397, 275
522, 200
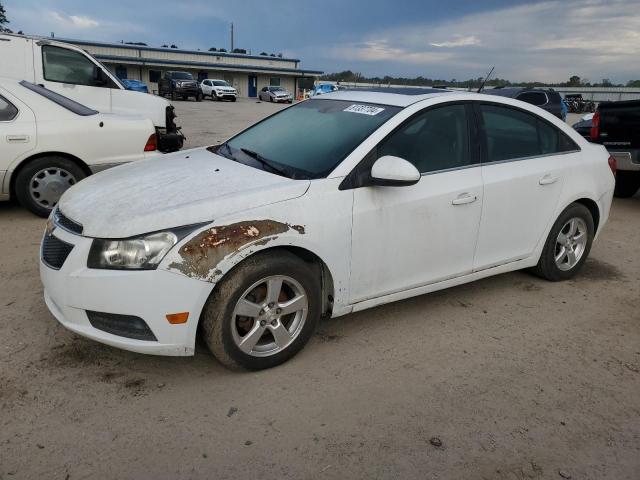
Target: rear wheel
568, 244
41, 183
627, 183
263, 312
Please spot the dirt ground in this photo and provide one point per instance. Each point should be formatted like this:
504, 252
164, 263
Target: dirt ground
511, 377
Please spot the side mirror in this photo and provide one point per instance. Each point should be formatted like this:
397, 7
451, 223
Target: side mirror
390, 171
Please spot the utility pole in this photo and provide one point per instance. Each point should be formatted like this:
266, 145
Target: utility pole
231, 37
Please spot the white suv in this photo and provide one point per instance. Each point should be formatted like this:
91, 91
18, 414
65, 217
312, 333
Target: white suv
218, 90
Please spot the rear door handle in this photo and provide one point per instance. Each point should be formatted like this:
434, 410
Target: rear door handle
17, 138
548, 179
464, 198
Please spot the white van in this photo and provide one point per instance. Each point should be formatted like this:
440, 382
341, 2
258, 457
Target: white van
74, 73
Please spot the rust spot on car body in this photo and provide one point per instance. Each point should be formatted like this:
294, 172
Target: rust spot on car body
201, 255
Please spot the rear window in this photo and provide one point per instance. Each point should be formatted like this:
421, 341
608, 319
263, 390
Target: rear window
513, 134
181, 76
8, 111
61, 100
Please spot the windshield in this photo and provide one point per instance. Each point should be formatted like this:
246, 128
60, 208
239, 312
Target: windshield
309, 139
181, 76
220, 83
276, 89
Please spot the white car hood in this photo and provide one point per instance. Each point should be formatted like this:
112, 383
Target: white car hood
178, 189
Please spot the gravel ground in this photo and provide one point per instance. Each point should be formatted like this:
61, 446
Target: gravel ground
510, 377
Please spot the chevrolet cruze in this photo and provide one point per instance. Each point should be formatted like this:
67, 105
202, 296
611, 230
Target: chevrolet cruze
248, 243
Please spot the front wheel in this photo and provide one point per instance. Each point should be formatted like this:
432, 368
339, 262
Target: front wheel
568, 244
199, 97
263, 312
41, 183
233, 99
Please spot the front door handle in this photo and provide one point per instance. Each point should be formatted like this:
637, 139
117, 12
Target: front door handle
464, 198
548, 179
17, 138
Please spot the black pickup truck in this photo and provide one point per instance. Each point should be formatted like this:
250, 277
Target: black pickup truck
616, 125
179, 85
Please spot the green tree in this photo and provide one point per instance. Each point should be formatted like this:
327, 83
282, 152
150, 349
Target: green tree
633, 83
3, 20
574, 81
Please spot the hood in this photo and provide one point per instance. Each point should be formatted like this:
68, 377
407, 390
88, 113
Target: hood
172, 190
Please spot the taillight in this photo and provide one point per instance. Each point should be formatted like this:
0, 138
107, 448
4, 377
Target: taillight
613, 164
595, 127
152, 143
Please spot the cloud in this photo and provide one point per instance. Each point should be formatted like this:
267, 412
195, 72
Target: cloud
459, 41
546, 41
77, 21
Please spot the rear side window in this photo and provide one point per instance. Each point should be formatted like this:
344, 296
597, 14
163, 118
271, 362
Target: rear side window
437, 139
534, 98
512, 134
8, 111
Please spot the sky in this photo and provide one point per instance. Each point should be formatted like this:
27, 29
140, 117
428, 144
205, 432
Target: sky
545, 41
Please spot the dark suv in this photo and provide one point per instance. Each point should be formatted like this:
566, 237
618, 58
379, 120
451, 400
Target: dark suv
548, 100
179, 84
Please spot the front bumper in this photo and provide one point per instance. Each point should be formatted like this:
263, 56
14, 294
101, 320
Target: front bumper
282, 99
186, 91
150, 295
225, 94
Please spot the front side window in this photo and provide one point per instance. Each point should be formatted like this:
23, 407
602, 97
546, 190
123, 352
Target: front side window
8, 111
437, 139
534, 98
309, 139
68, 66
512, 134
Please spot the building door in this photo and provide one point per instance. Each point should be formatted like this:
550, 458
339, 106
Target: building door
253, 86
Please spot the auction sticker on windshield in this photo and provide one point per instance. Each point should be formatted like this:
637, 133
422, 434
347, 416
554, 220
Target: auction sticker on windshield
364, 109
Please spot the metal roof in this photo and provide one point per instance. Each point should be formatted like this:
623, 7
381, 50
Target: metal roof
224, 66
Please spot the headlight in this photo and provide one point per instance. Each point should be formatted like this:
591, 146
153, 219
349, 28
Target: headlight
138, 253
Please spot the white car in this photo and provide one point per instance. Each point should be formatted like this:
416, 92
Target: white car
218, 90
259, 237
49, 142
275, 94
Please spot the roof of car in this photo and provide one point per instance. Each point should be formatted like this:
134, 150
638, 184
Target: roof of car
399, 97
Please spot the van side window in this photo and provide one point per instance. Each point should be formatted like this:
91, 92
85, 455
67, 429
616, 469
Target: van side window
534, 98
512, 134
68, 66
7, 110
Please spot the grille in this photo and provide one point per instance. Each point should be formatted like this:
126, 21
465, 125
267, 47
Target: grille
55, 251
127, 326
67, 223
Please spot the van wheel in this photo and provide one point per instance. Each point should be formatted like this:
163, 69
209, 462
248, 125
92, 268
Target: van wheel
41, 183
627, 184
263, 312
568, 244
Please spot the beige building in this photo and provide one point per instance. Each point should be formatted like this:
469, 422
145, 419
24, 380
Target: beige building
247, 73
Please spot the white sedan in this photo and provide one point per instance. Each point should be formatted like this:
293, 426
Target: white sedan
49, 142
254, 240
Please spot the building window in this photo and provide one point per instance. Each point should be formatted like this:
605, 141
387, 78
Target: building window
154, 76
121, 72
274, 81
202, 75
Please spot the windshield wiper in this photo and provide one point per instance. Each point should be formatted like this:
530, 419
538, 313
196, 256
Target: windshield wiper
264, 161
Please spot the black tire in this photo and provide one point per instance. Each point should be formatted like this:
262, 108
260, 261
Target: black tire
546, 267
26, 174
199, 97
271, 99
213, 97
627, 184
233, 99
217, 322
173, 96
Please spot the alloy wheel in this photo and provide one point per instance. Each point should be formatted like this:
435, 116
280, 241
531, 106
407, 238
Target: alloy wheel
570, 243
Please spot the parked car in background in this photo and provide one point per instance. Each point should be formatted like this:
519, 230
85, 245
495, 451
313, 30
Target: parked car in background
275, 94
76, 74
179, 85
218, 90
49, 142
583, 127
135, 85
548, 100
616, 125
323, 88
250, 242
